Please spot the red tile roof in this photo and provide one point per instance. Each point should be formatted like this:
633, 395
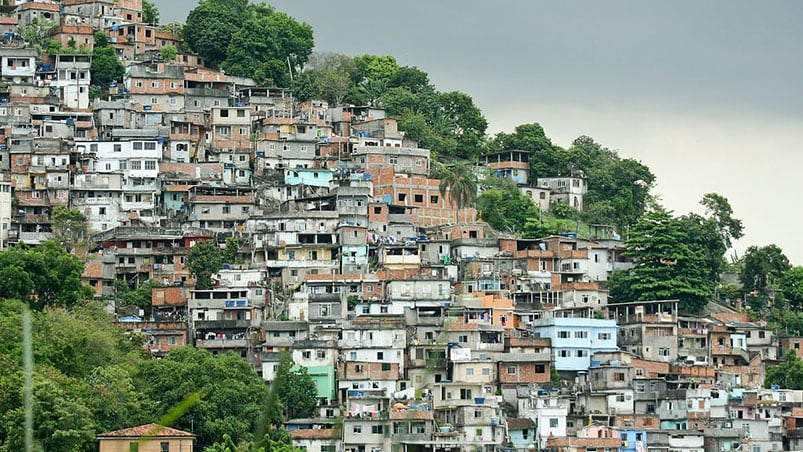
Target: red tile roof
147, 430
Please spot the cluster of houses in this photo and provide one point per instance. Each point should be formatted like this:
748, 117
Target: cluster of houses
423, 329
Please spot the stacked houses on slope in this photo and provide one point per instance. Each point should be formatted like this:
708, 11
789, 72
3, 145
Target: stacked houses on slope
423, 331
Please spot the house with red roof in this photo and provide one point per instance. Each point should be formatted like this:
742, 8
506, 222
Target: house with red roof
146, 438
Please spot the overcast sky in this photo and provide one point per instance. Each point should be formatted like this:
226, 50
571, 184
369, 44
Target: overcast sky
708, 94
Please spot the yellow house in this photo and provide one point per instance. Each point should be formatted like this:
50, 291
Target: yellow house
146, 438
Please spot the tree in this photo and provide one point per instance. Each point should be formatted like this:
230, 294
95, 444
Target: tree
719, 209
788, 374
211, 25
503, 207
466, 123
791, 287
37, 33
168, 52
175, 27
763, 267
461, 185
231, 393
43, 276
150, 14
269, 46
69, 226
666, 266
300, 395
204, 260
106, 67
230, 252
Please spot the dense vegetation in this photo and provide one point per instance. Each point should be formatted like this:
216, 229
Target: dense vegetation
91, 377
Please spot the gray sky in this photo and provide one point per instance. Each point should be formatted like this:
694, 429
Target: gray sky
708, 94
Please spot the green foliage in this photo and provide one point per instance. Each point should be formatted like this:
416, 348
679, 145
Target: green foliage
69, 226
176, 28
554, 376
101, 40
230, 399
618, 189
791, 287
139, 297
150, 14
168, 52
788, 374
204, 260
461, 184
37, 33
719, 209
266, 44
82, 381
211, 25
503, 206
230, 252
300, 395
668, 265
106, 67
763, 268
43, 276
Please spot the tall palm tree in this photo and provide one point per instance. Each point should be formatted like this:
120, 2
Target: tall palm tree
461, 184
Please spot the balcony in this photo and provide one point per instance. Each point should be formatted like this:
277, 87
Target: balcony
301, 263
223, 324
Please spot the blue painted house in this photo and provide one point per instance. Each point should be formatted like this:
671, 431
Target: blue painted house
575, 340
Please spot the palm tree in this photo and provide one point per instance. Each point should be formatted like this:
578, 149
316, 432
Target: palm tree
461, 184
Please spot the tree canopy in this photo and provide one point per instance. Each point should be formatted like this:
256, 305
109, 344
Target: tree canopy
204, 260
667, 264
249, 40
46, 275
106, 67
461, 185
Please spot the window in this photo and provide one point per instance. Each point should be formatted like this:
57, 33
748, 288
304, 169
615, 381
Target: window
581, 334
582, 353
511, 370
540, 368
639, 372
433, 199
133, 447
462, 338
306, 354
470, 372
385, 367
164, 446
150, 164
393, 160
136, 164
226, 209
564, 353
553, 422
357, 429
320, 354
223, 130
619, 376
418, 198
377, 429
118, 147
563, 334
604, 336
380, 356
241, 113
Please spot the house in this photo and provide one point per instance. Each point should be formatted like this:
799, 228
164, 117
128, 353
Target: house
575, 340
568, 190
146, 438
